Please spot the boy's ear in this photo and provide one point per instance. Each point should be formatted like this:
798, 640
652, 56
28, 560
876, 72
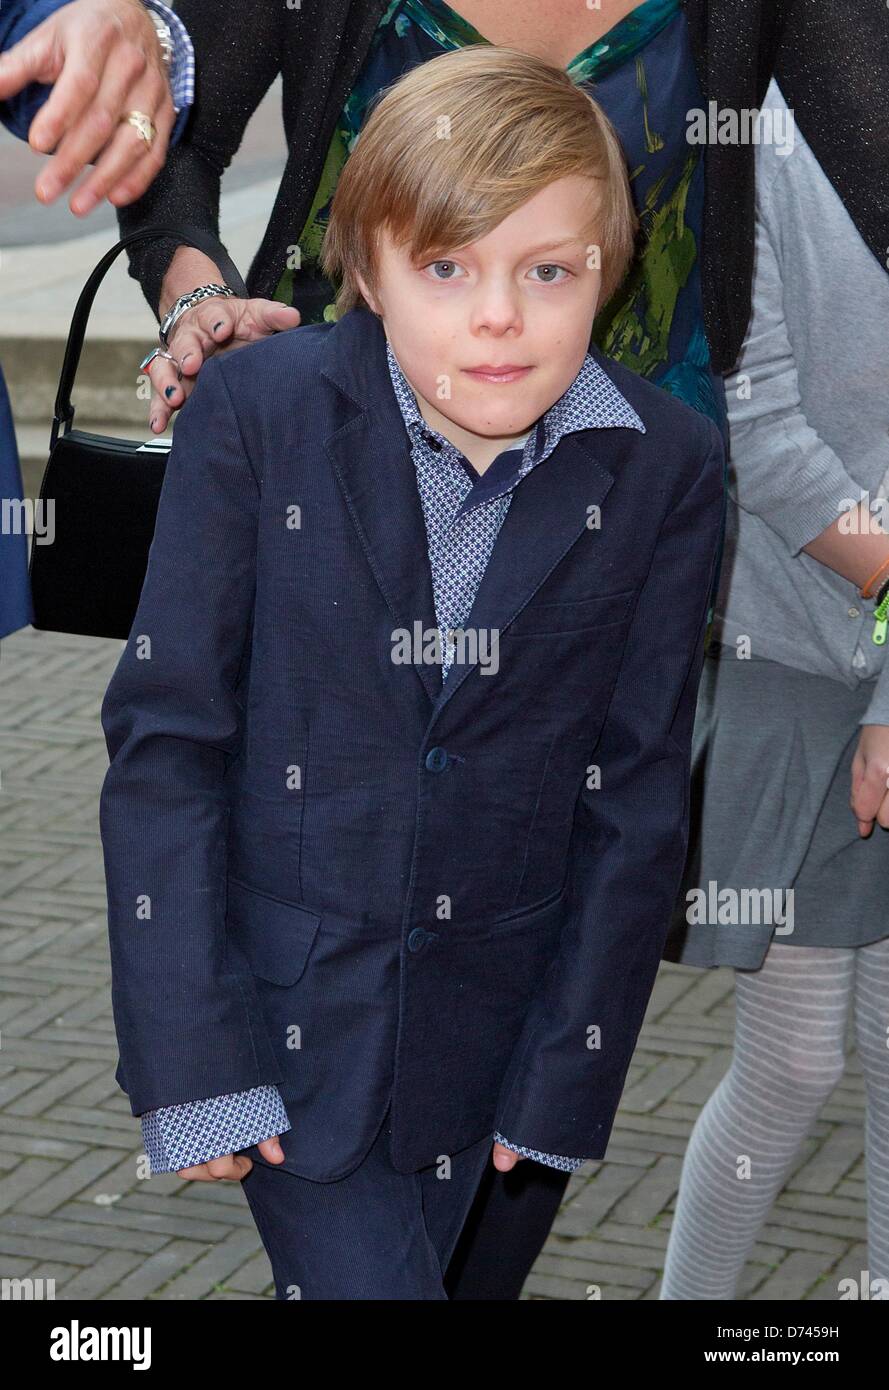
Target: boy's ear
366, 293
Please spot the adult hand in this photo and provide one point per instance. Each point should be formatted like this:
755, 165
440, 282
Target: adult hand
233, 1167
210, 327
504, 1159
870, 778
103, 59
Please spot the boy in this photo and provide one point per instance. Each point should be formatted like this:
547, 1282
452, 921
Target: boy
397, 804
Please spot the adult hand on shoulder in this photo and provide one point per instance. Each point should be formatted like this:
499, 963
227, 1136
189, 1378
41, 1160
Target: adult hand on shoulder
870, 778
233, 1166
213, 326
102, 59
504, 1158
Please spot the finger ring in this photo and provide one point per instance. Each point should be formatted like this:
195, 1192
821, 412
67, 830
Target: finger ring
145, 364
142, 124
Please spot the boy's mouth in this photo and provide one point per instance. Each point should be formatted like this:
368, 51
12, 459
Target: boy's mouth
505, 373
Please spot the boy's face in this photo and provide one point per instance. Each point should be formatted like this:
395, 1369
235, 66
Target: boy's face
515, 298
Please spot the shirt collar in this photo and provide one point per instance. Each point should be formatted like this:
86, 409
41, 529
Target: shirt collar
592, 401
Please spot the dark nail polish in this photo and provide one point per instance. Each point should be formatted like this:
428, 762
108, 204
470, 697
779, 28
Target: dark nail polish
218, 325
169, 391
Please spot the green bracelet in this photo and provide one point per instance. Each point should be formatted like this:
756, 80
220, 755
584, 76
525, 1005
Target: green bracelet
881, 615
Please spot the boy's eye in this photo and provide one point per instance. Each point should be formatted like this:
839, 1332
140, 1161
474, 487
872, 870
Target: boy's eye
554, 269
554, 274
450, 265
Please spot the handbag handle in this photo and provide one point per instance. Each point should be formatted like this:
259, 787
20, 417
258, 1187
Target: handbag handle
187, 236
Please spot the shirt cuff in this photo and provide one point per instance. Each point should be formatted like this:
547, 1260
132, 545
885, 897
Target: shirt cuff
567, 1165
182, 1136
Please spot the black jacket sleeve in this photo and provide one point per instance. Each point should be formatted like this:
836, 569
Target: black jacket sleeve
237, 50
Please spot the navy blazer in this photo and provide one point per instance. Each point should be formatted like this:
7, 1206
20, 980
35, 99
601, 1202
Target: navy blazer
327, 871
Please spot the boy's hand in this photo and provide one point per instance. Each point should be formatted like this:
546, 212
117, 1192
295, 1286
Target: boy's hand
504, 1159
233, 1166
870, 778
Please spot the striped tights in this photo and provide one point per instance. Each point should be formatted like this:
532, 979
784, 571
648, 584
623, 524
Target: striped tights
790, 1024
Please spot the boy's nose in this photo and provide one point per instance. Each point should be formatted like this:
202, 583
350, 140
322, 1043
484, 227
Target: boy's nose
497, 310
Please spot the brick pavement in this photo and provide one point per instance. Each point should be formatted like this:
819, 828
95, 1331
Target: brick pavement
73, 1206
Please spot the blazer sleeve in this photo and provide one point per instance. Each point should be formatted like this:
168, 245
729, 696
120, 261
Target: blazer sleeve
187, 1026
566, 1074
17, 19
237, 51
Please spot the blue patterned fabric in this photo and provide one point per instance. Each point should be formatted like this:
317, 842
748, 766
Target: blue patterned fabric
463, 512
181, 1136
567, 1165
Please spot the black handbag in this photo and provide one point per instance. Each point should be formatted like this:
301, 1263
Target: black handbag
104, 490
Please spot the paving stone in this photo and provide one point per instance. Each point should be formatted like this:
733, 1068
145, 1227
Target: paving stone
594, 1201
648, 1197
77, 1230
592, 1271
28, 1176
107, 1272
130, 1224
68, 1182
39, 1097
157, 1271
793, 1278
658, 1085
835, 1156
254, 1277
212, 1269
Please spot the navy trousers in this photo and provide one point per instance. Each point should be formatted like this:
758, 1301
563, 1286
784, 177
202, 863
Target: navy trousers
504, 1232
374, 1234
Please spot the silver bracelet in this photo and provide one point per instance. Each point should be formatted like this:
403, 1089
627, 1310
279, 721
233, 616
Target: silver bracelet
164, 38
187, 301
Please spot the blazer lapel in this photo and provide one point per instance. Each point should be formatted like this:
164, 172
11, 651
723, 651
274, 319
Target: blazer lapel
370, 452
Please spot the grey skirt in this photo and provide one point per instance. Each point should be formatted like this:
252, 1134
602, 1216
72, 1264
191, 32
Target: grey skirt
774, 850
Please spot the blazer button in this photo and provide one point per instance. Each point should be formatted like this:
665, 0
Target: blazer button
417, 939
436, 759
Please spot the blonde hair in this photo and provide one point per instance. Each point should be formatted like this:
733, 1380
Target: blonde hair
459, 143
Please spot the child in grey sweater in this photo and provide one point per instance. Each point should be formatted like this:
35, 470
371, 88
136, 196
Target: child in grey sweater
785, 880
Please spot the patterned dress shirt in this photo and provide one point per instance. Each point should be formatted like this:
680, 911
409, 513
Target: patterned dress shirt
463, 512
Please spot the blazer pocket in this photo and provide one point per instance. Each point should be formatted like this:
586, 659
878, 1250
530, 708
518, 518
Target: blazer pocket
276, 937
572, 615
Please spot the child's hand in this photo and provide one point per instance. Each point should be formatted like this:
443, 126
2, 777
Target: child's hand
870, 778
504, 1159
233, 1166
